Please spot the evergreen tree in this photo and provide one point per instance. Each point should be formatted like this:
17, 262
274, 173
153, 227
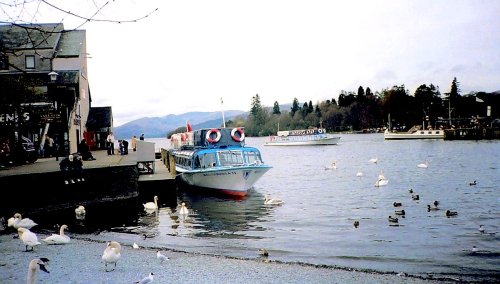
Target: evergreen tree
276, 108
256, 105
295, 107
310, 107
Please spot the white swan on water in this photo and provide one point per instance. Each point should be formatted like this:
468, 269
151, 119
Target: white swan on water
111, 254
152, 205
34, 266
183, 210
29, 238
423, 165
373, 160
272, 201
58, 239
19, 222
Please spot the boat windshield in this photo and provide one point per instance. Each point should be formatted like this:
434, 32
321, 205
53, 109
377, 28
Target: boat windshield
230, 158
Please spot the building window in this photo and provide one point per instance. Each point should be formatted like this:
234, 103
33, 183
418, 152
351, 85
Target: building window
30, 62
4, 63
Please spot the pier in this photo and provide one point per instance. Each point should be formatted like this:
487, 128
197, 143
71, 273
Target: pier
43, 184
484, 133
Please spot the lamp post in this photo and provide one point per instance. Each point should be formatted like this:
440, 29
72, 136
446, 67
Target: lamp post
53, 76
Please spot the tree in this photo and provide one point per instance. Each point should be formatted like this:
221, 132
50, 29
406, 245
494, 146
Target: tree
295, 107
256, 105
276, 108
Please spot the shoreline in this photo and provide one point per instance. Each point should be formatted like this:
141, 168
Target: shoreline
80, 262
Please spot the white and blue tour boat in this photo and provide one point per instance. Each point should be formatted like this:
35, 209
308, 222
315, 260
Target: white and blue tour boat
302, 137
217, 159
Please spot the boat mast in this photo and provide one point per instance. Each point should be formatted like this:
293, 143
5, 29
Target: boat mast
223, 119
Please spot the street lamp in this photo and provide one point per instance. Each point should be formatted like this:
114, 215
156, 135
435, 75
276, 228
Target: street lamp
53, 76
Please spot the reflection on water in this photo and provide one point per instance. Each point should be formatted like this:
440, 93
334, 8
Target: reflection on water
315, 225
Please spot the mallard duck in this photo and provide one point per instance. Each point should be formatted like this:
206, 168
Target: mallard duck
429, 208
393, 219
451, 213
400, 212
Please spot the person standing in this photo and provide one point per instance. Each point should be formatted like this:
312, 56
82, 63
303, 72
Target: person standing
133, 143
49, 146
111, 143
142, 137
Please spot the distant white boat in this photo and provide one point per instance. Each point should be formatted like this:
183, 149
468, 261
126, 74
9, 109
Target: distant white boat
303, 137
414, 134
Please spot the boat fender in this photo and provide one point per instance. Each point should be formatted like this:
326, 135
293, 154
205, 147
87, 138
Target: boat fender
209, 138
241, 134
320, 131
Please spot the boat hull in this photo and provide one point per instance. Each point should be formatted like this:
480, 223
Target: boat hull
420, 134
227, 180
319, 141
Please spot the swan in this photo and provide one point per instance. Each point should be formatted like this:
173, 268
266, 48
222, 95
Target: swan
359, 174
183, 209
135, 246
35, 264
111, 254
152, 205
272, 201
29, 238
20, 222
373, 160
381, 182
423, 165
147, 279
161, 256
58, 239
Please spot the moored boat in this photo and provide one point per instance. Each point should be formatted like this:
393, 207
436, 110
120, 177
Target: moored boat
415, 133
302, 137
217, 159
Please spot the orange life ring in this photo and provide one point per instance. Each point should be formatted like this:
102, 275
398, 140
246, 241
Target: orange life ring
209, 138
241, 134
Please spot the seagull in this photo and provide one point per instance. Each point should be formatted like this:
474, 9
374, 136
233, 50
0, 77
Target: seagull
272, 201
147, 279
57, 239
135, 246
263, 252
481, 228
35, 264
152, 205
423, 165
373, 160
111, 254
29, 238
161, 256
183, 210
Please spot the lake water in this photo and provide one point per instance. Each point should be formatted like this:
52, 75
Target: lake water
315, 225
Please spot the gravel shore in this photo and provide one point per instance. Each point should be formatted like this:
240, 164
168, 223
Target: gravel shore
80, 262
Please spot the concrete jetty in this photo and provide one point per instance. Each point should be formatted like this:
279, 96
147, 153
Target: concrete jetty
35, 186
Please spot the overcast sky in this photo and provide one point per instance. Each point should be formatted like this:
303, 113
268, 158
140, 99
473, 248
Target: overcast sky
188, 54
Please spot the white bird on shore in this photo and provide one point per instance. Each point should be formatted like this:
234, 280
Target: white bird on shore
135, 246
152, 205
272, 201
29, 238
111, 254
423, 165
147, 279
161, 256
58, 239
34, 266
183, 210
80, 212
19, 222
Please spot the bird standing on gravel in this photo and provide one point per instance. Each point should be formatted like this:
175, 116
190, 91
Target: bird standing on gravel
147, 279
111, 254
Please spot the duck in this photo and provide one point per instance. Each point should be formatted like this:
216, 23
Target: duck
392, 219
451, 213
381, 182
423, 165
29, 238
397, 204
19, 222
472, 183
481, 229
111, 254
183, 210
410, 190
436, 203
147, 279
400, 212
272, 201
429, 208
151, 205
161, 256
58, 239
415, 197
35, 265
263, 252
356, 224
373, 160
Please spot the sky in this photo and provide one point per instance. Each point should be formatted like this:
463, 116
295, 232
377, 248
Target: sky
187, 55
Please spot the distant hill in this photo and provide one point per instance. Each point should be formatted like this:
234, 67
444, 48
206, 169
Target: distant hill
155, 127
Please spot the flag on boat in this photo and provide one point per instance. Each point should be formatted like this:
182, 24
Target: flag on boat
188, 126
479, 100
